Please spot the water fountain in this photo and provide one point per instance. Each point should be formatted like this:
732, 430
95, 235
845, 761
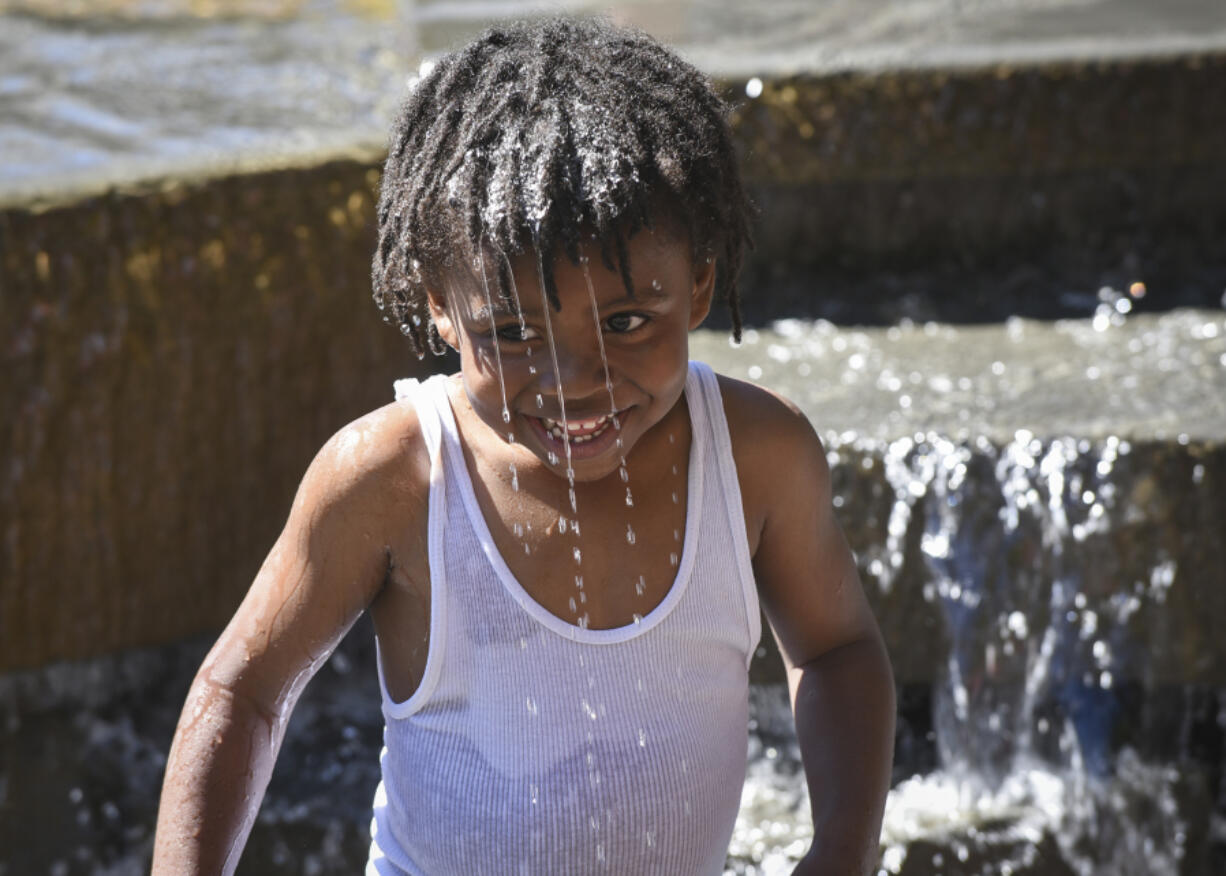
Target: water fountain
1034, 504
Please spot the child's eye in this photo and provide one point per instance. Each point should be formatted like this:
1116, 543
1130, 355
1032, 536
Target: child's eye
516, 332
621, 323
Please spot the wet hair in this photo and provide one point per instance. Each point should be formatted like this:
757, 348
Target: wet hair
536, 133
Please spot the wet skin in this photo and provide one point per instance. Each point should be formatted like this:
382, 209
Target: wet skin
639, 344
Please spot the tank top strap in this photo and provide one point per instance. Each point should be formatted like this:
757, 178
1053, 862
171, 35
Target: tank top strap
703, 384
426, 396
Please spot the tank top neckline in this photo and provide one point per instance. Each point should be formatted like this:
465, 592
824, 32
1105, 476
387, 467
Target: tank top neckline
693, 514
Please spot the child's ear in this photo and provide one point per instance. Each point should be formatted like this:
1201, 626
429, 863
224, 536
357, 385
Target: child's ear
441, 316
704, 290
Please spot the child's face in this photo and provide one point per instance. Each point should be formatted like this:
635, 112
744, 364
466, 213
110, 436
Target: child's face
645, 349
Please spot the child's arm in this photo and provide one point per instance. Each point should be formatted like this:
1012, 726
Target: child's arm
328, 564
838, 670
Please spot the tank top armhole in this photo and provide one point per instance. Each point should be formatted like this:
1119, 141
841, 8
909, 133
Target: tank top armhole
713, 401
424, 396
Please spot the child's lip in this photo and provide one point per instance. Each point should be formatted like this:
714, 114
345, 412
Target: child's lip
589, 435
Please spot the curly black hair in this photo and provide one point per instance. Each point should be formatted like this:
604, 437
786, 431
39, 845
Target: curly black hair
538, 131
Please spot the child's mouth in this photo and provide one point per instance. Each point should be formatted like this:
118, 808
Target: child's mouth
578, 439
579, 431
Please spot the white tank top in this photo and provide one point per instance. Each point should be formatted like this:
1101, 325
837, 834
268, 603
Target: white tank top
536, 746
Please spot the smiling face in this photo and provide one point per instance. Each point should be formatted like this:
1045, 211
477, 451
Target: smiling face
596, 374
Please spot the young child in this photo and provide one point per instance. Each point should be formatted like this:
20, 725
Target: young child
563, 546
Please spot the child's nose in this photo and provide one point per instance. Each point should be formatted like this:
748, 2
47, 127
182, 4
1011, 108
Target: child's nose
581, 369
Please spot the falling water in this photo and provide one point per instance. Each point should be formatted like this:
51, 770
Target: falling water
1060, 577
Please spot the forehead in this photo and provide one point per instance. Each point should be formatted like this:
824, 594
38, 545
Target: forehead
660, 266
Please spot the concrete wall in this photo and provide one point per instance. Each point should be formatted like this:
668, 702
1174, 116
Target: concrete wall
172, 360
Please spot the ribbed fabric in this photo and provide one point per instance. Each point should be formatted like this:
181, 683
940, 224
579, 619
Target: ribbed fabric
535, 746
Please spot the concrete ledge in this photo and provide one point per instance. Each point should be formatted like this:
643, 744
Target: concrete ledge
172, 361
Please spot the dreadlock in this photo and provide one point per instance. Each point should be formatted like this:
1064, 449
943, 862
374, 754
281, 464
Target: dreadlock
537, 131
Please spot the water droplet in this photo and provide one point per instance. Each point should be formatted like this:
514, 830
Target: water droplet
523, 644
531, 705
533, 791
583, 622
672, 439
625, 475
515, 482
674, 469
561, 525
540, 401
552, 457
655, 284
574, 606
574, 505
506, 414
672, 559
676, 499
629, 499
588, 710
642, 738
676, 535
575, 553
640, 586
638, 618
630, 537
579, 581
753, 88
518, 529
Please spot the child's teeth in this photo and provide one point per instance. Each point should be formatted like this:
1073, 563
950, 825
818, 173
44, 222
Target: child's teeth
578, 431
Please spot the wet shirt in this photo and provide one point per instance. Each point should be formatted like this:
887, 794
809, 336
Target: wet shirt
536, 746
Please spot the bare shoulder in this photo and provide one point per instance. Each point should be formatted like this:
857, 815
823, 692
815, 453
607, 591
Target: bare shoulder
375, 461
769, 431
